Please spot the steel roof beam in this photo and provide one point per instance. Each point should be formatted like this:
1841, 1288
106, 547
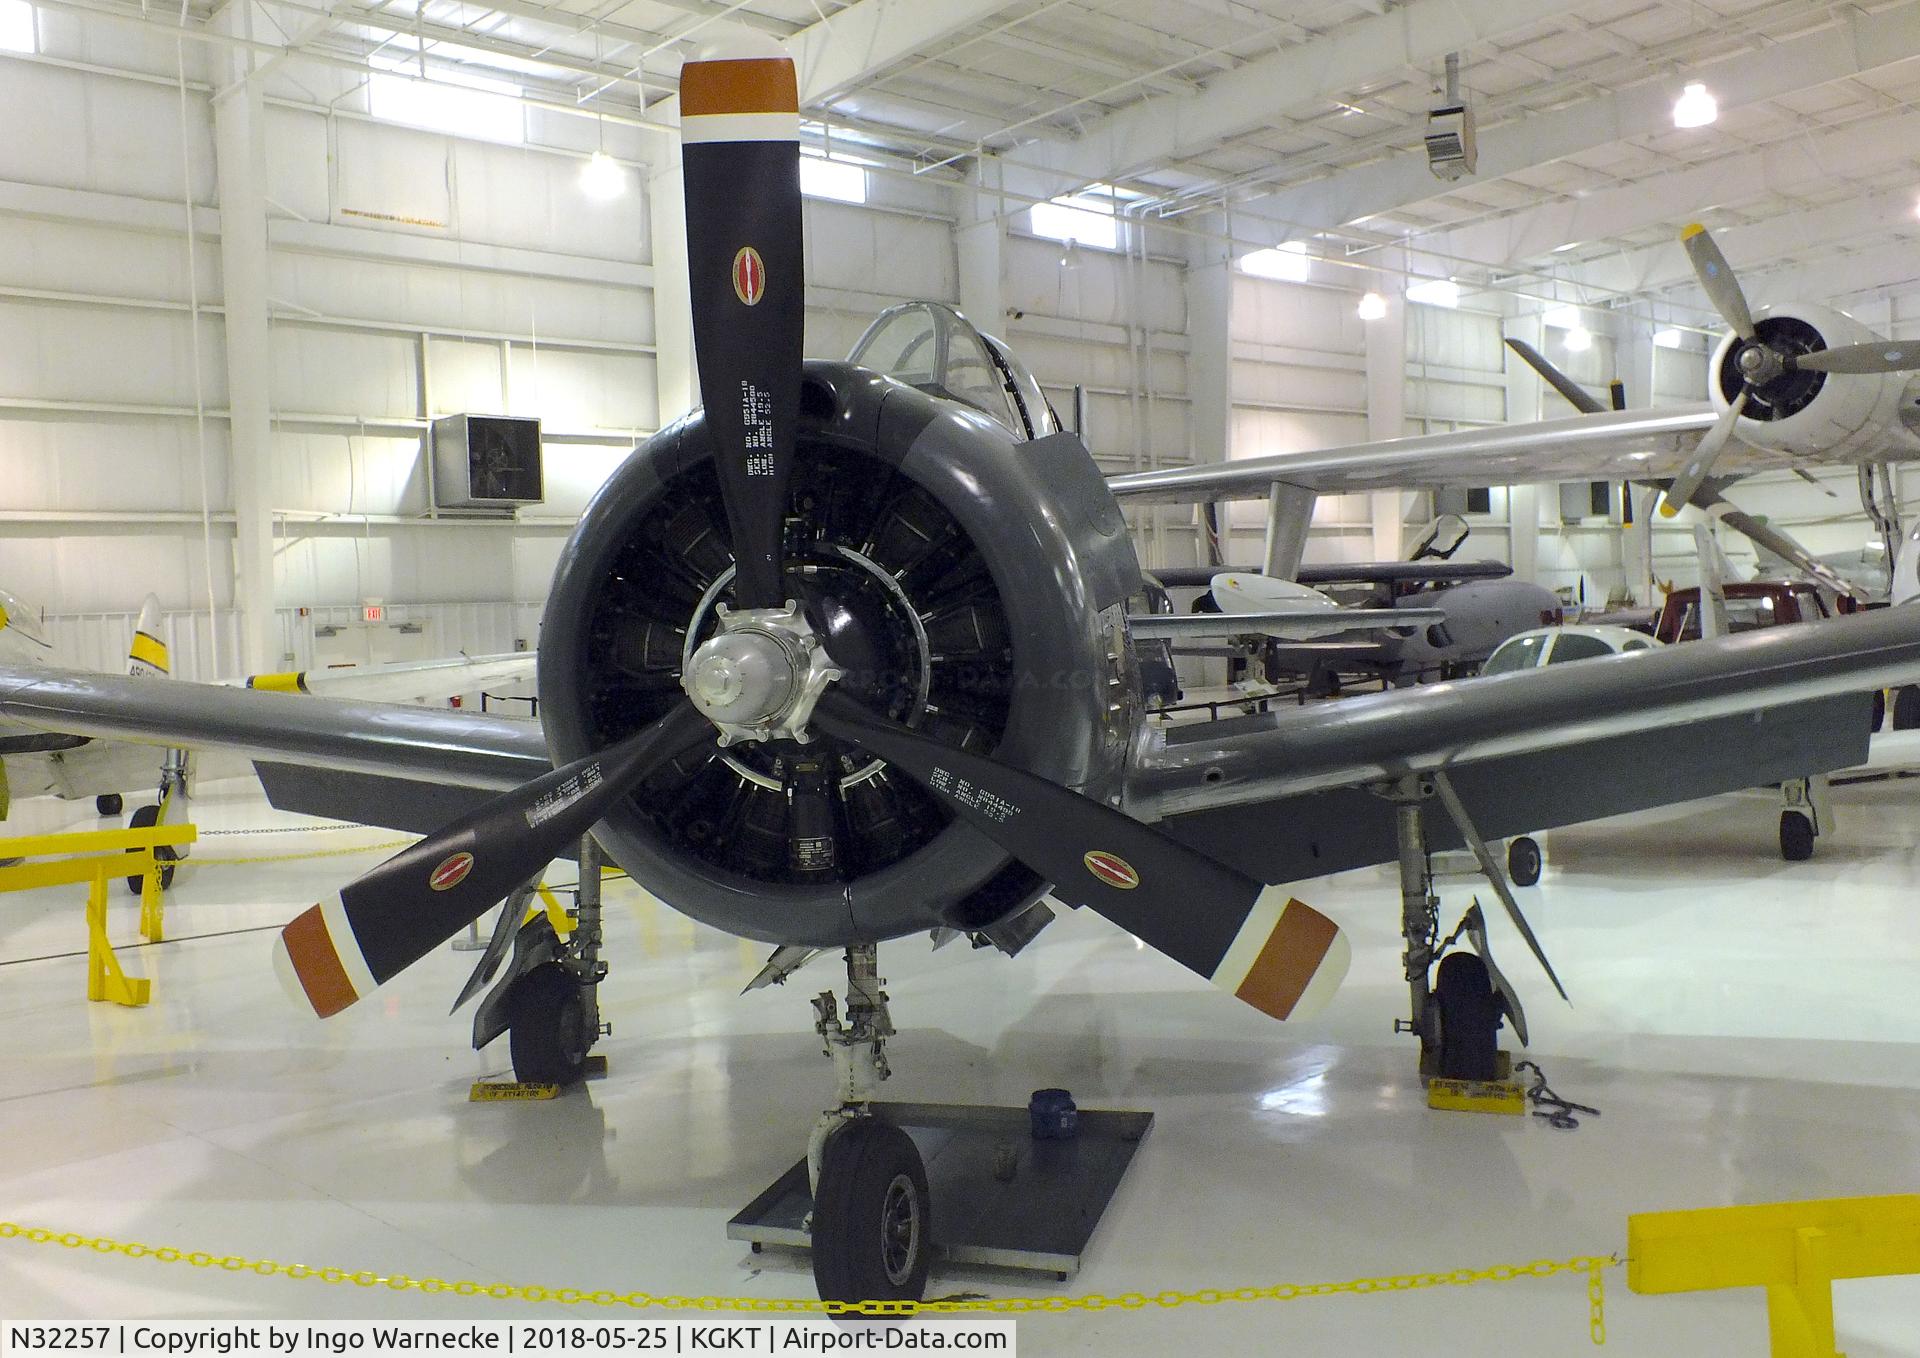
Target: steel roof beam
1854, 44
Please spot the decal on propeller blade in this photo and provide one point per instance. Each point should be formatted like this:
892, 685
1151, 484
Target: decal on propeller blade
1112, 869
452, 871
749, 275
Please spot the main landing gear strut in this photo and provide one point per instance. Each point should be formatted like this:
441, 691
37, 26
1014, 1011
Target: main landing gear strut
1459, 998
548, 1001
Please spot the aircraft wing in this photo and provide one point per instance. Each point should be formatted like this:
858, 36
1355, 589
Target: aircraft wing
1530, 750
1286, 625
429, 744
403, 680
1611, 446
1354, 573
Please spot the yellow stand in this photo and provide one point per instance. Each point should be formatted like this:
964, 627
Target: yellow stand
100, 856
1793, 1249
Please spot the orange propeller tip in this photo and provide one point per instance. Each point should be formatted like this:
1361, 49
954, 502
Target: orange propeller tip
1668, 509
308, 965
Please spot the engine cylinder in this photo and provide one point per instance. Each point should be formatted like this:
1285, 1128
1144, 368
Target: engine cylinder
967, 584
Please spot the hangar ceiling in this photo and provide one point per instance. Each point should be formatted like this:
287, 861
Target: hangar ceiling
1302, 119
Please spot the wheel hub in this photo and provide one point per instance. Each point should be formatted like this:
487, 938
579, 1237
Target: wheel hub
759, 677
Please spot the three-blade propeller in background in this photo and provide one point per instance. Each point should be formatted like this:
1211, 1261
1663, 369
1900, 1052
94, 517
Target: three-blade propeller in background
740, 139
1759, 361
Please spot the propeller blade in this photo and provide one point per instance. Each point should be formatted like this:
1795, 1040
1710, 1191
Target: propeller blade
1700, 466
1875, 356
1617, 393
339, 950
1717, 280
740, 155
1278, 955
1781, 545
1581, 399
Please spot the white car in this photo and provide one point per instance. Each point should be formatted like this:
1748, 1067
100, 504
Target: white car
1557, 645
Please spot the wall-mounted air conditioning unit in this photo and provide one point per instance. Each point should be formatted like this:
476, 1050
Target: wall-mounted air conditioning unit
487, 462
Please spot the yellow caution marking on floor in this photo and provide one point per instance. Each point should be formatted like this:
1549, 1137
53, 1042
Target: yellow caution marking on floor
510, 1091
1477, 1096
1593, 1266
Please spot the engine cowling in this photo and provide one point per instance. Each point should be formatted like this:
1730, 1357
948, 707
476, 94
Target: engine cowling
1812, 413
969, 584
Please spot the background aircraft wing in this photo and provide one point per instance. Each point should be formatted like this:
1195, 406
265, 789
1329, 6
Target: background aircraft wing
404, 680
426, 743
1289, 624
1612, 446
1347, 573
1530, 750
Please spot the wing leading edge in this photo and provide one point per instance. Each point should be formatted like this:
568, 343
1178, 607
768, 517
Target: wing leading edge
1613, 446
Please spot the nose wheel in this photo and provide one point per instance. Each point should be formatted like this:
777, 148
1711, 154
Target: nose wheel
872, 1216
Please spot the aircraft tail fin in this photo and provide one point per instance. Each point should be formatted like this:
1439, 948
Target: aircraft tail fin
147, 656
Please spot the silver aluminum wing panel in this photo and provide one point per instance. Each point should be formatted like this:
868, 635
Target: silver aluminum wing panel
1613, 446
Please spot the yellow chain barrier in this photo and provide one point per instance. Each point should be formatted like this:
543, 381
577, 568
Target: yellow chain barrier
1594, 1266
384, 844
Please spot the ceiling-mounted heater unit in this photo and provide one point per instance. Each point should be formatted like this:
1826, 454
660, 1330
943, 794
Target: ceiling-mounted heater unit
487, 462
1451, 150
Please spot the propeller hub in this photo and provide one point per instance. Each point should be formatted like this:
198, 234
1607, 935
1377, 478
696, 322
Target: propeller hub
1759, 364
760, 675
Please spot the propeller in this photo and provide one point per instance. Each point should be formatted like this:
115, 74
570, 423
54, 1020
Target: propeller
764, 675
1762, 361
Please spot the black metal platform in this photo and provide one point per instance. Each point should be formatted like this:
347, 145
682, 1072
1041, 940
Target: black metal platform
999, 1196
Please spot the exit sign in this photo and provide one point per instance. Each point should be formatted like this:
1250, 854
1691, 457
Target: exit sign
373, 613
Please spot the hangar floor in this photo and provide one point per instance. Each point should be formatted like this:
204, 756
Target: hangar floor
1748, 1026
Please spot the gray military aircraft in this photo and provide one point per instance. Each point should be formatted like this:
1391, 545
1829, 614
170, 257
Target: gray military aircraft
843, 659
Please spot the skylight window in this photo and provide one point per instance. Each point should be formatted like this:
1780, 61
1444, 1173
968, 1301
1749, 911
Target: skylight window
825, 177
1435, 292
451, 101
1077, 219
16, 27
1289, 263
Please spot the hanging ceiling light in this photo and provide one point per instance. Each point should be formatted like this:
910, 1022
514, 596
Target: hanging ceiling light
602, 177
1695, 107
1372, 307
1579, 339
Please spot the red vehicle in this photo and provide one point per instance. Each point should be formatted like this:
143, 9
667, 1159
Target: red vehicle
1751, 605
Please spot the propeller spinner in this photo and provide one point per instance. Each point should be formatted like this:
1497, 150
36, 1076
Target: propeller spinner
766, 674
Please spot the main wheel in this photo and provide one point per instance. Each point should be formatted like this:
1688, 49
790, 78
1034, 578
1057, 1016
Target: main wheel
547, 1032
145, 818
1523, 861
1796, 837
1469, 1018
108, 804
1906, 708
872, 1216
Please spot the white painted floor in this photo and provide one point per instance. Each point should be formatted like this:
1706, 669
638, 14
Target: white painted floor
1748, 1026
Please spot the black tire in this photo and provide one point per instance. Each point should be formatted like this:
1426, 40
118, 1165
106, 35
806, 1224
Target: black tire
145, 818
1523, 861
1906, 709
1879, 709
108, 804
1469, 1018
1796, 837
872, 1216
547, 1032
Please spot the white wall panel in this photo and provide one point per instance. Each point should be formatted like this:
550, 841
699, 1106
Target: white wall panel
347, 473
569, 389
54, 351
885, 253
527, 198
70, 130
465, 377
98, 261
397, 177
341, 372
112, 464
575, 472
